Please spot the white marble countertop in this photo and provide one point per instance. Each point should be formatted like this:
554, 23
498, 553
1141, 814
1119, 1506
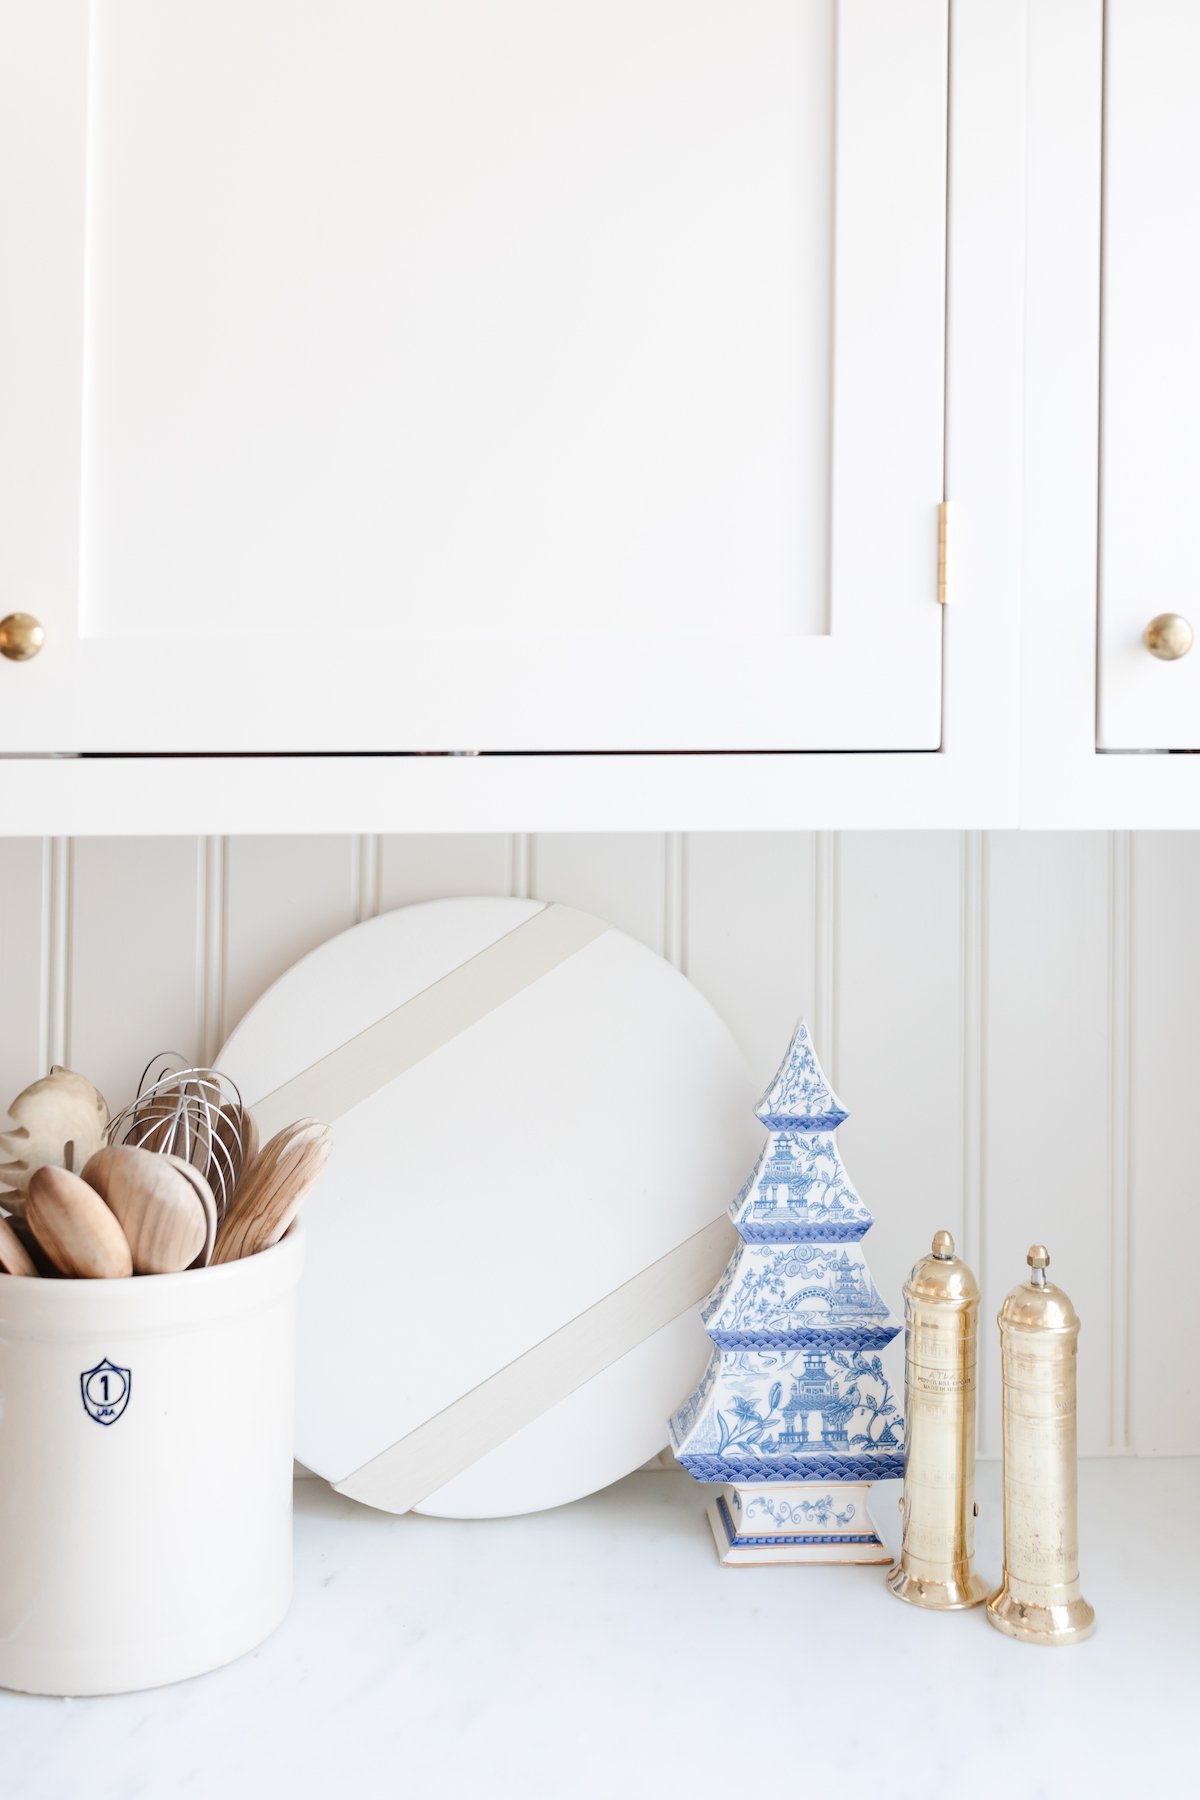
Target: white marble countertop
601, 1650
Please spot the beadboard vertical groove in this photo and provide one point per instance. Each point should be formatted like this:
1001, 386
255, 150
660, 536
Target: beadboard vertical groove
1120, 1100
973, 1014
674, 903
1009, 1018
520, 865
57, 869
1163, 1259
211, 940
824, 1021
366, 875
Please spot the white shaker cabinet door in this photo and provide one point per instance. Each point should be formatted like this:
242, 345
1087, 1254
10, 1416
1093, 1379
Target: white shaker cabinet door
1150, 412
521, 375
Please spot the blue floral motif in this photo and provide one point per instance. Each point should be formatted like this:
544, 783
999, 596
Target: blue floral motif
799, 1097
799, 1512
774, 1540
795, 1388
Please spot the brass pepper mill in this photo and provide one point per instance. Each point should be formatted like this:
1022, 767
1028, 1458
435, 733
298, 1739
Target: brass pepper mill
941, 1315
1039, 1599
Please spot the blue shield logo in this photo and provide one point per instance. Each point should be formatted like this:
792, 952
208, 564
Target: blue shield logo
105, 1391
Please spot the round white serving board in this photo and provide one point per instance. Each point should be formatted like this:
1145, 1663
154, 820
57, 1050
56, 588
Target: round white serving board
482, 1199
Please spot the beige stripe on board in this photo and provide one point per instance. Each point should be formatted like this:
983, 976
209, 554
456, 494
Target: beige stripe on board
440, 1012
426, 1459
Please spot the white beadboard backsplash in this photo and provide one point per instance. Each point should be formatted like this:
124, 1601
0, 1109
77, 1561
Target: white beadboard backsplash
1011, 1019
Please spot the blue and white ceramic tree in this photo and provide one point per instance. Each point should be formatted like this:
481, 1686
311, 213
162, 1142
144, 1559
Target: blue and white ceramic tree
794, 1413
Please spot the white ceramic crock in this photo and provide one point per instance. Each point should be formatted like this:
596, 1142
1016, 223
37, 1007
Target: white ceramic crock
145, 1472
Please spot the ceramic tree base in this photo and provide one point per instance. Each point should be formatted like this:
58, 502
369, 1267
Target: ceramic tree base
794, 1522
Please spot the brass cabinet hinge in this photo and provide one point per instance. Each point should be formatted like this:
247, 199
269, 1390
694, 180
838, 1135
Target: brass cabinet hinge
943, 551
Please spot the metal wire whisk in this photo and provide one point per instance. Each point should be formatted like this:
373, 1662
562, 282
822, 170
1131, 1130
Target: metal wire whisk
193, 1113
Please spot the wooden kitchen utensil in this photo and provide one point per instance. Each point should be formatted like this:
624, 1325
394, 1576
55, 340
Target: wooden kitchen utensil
236, 1129
156, 1205
14, 1257
42, 1264
205, 1196
73, 1225
58, 1120
272, 1190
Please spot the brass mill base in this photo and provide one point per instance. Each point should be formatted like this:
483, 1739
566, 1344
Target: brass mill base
1069, 1623
952, 1595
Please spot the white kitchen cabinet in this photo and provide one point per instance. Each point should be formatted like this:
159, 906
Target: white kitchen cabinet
521, 377
1150, 373
575, 386
475, 377
1112, 386
1110, 391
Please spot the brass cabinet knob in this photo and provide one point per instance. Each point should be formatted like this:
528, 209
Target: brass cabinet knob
1169, 636
21, 636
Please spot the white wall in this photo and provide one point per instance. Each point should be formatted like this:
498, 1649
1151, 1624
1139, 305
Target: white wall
1011, 1020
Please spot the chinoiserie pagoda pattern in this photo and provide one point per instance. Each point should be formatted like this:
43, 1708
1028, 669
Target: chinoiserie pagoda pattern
795, 1389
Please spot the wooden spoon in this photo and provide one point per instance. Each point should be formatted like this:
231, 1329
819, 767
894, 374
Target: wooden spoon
74, 1227
41, 1262
204, 1195
14, 1257
157, 1206
270, 1193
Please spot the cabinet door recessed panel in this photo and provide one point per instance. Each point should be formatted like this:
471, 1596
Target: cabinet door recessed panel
475, 318
498, 376
1150, 466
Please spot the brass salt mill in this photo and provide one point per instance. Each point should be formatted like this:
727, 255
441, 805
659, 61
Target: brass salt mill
941, 1316
1039, 1599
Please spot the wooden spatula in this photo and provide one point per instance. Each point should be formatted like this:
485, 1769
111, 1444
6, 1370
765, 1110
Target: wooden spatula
272, 1189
